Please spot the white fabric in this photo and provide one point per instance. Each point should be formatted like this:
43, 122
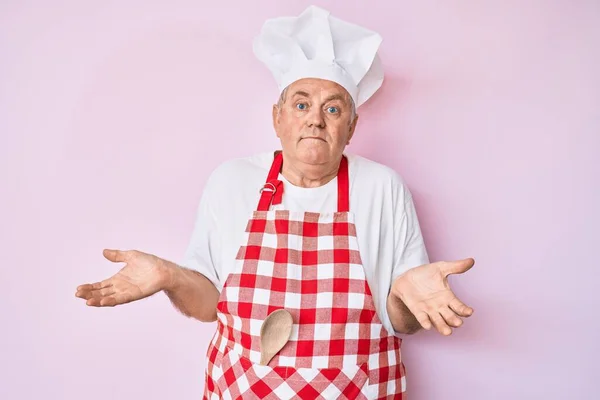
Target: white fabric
317, 45
388, 231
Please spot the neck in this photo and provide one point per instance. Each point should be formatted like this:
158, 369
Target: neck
309, 175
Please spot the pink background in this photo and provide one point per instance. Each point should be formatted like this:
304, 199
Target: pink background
112, 115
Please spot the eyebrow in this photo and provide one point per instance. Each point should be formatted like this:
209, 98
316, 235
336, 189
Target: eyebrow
328, 99
336, 97
300, 93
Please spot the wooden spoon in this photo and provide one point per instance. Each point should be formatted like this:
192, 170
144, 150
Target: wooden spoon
275, 332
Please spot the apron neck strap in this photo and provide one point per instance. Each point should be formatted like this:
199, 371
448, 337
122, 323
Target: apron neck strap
343, 186
272, 191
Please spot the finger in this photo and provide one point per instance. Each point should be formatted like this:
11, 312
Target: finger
101, 285
115, 300
439, 323
115, 255
83, 290
101, 301
423, 319
89, 287
94, 286
450, 317
457, 267
109, 301
100, 293
460, 308
85, 287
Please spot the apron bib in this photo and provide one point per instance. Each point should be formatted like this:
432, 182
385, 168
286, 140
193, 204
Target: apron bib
308, 264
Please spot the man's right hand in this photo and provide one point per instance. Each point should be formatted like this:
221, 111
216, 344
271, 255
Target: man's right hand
143, 275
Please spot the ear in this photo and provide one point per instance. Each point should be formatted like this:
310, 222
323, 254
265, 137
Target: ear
275, 116
352, 128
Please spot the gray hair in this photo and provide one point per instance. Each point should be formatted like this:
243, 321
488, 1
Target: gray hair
283, 95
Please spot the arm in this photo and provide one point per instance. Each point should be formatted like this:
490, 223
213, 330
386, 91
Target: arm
409, 252
191, 293
420, 296
402, 319
190, 288
146, 274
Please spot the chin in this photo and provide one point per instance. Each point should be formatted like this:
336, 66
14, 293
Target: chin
313, 157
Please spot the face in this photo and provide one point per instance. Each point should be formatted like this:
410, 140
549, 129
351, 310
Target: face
314, 121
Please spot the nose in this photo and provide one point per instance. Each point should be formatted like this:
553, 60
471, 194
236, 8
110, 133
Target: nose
315, 118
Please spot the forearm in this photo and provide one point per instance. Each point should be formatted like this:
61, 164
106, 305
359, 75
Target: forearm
402, 319
191, 293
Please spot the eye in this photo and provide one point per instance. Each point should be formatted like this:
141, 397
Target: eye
301, 106
332, 109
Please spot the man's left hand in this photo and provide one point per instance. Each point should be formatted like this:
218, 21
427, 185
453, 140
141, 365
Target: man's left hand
426, 293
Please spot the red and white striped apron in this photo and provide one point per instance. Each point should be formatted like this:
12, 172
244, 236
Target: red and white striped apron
309, 264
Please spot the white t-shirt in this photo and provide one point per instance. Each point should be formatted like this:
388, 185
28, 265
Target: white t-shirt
388, 231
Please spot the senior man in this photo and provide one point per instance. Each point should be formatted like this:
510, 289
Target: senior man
331, 238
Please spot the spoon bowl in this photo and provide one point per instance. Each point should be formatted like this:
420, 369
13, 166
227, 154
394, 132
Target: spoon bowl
275, 332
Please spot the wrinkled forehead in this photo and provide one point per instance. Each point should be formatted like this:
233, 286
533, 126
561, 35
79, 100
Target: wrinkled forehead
318, 90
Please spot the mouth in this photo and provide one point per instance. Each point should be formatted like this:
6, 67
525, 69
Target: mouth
314, 138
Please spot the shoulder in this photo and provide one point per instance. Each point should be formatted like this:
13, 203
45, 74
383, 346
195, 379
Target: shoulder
241, 170
235, 168
365, 172
235, 177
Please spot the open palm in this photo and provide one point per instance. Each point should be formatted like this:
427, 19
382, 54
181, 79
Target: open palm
427, 294
142, 276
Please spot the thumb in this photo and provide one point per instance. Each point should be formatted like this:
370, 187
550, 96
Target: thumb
457, 267
115, 255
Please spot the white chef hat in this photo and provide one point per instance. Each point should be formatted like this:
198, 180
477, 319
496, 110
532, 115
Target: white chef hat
318, 45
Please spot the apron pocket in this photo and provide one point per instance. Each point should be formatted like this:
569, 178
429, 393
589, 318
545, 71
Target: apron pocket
241, 377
